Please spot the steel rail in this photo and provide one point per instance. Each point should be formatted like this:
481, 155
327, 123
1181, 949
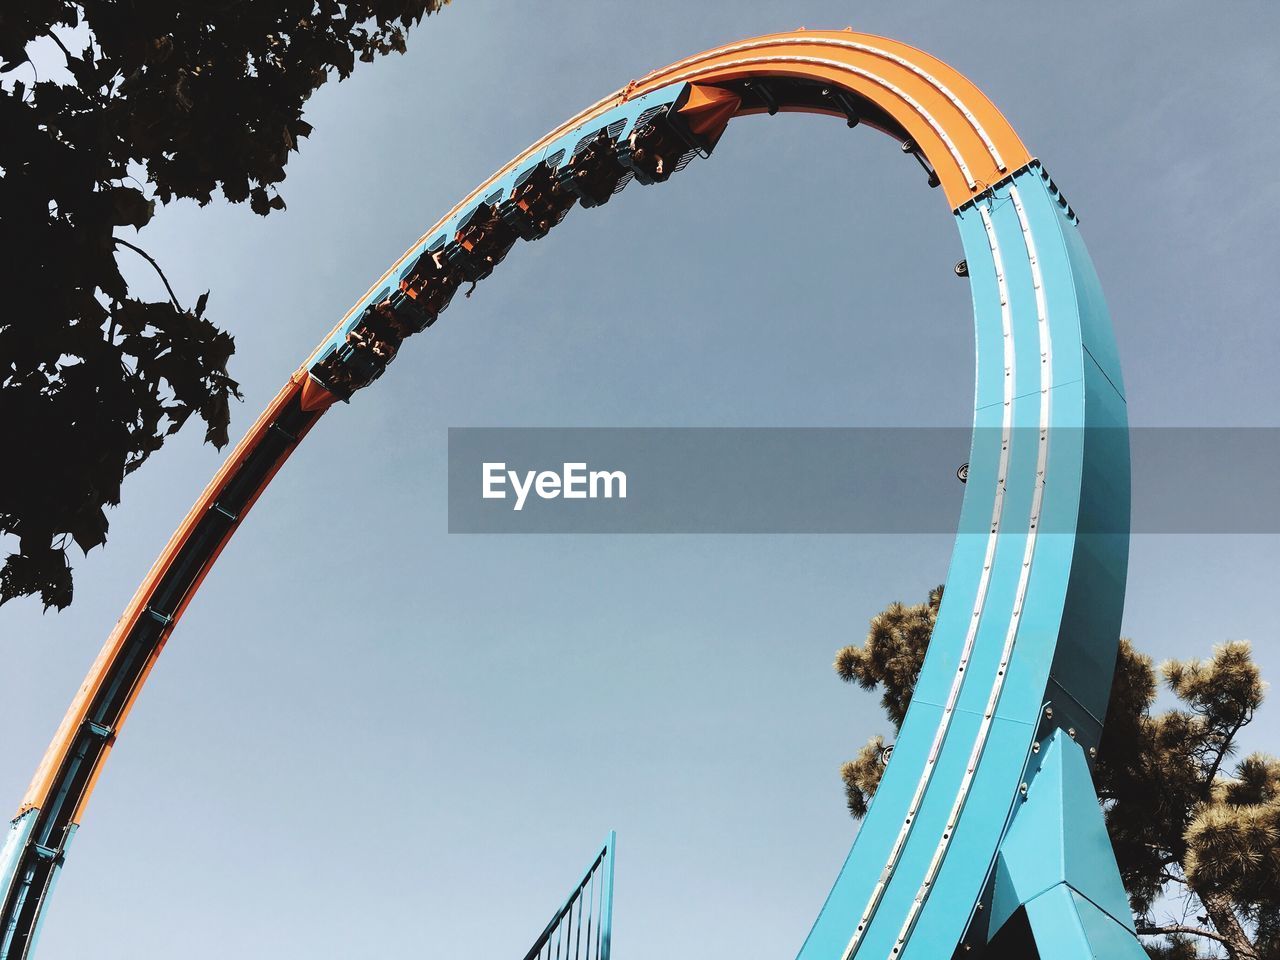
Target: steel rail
971, 634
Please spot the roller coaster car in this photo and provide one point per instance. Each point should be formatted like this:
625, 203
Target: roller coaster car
430, 284
537, 204
594, 174
659, 145
654, 152
666, 138
370, 345
403, 314
350, 367
481, 243
400, 316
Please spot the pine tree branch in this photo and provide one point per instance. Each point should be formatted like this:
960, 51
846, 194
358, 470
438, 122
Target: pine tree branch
1150, 930
1221, 912
1226, 749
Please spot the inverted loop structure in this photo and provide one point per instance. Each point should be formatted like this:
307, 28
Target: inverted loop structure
978, 834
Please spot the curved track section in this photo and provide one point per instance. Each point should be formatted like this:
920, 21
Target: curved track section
1025, 640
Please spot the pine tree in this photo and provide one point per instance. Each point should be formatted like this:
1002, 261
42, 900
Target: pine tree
1191, 829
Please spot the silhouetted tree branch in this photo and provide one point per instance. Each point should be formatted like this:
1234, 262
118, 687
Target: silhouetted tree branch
207, 99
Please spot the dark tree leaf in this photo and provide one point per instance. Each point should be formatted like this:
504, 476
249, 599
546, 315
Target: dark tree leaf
130, 207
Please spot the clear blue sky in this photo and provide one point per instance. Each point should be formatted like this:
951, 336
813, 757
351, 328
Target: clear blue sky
406, 743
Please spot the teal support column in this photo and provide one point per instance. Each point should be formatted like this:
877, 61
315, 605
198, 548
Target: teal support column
1056, 863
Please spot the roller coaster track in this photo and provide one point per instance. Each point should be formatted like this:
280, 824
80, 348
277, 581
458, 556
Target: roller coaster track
1019, 669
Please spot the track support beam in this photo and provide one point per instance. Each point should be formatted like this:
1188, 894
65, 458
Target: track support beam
1056, 868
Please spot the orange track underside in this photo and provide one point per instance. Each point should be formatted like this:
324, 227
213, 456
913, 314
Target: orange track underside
956, 127
38, 791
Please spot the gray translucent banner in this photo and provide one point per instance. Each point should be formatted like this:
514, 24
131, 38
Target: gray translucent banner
825, 480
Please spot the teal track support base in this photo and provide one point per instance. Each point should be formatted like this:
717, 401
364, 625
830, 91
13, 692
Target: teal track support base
1056, 886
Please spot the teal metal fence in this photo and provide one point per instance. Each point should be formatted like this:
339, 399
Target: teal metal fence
582, 929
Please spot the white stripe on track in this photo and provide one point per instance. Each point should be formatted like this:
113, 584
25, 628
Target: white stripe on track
1037, 502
